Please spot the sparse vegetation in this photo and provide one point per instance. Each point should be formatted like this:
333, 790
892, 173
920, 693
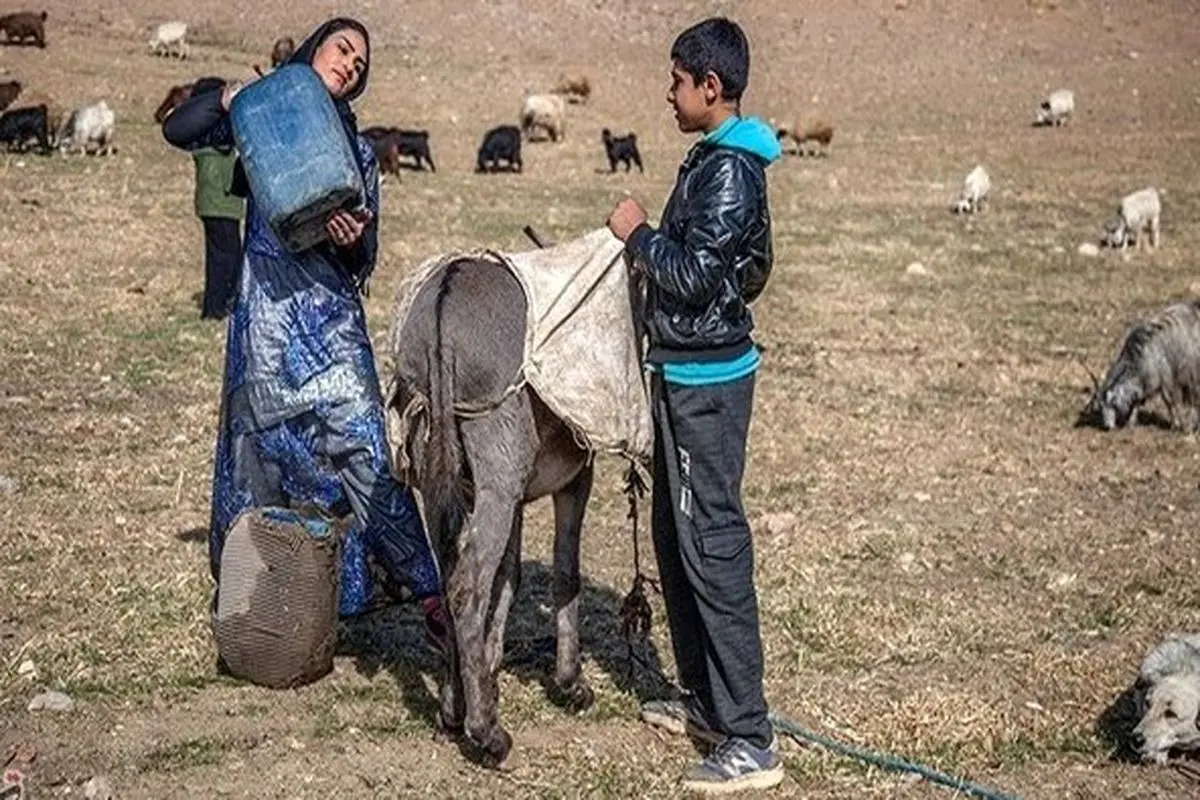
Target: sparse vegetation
972, 581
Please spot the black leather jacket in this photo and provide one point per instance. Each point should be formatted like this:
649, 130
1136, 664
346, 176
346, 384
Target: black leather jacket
709, 259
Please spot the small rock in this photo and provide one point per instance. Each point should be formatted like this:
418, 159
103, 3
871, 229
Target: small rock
906, 561
1195, 287
1134, 55
9, 485
1061, 580
1058, 248
98, 788
1089, 249
28, 670
51, 701
922, 497
916, 268
779, 523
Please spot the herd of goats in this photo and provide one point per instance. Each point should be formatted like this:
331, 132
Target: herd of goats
1158, 357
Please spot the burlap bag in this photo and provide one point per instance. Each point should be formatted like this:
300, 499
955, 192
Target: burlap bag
275, 621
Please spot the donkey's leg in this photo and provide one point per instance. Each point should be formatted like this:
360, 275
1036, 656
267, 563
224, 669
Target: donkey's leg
571, 690
500, 448
508, 580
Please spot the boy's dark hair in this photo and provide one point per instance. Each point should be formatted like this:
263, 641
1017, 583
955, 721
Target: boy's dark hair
719, 46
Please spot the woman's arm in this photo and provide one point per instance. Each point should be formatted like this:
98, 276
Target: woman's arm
200, 121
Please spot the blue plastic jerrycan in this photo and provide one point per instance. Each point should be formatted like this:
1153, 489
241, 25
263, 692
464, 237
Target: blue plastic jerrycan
297, 158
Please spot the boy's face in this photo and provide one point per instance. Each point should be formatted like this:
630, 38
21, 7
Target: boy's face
692, 101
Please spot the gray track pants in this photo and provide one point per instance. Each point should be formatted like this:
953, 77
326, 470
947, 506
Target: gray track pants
705, 558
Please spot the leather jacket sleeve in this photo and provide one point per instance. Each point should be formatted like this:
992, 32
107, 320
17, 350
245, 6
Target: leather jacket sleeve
199, 122
693, 268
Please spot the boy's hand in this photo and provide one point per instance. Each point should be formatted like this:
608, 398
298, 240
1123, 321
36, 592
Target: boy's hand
625, 217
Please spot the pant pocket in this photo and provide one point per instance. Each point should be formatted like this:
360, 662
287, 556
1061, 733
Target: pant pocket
725, 544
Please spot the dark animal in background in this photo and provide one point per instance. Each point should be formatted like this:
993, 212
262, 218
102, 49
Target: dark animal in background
502, 143
24, 26
393, 143
621, 148
9, 91
282, 50
21, 125
175, 96
1160, 355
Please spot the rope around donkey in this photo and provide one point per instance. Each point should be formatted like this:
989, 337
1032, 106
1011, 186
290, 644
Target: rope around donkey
635, 621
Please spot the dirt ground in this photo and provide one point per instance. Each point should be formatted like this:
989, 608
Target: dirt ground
971, 581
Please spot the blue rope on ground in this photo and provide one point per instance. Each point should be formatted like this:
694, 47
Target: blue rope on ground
883, 761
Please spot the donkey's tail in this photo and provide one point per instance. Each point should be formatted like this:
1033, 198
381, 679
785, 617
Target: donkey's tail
443, 478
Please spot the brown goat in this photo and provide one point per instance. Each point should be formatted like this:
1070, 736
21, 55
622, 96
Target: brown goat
8, 93
817, 132
282, 51
24, 25
577, 88
175, 96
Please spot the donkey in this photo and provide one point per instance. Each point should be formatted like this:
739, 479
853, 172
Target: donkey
477, 451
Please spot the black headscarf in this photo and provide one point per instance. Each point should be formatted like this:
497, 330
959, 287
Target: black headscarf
308, 49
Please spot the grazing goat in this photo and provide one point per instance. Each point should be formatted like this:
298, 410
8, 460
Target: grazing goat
1138, 211
170, 37
89, 130
282, 50
19, 126
55, 113
502, 143
1056, 109
1159, 355
576, 88
812, 139
621, 148
974, 191
9, 91
24, 25
547, 112
390, 143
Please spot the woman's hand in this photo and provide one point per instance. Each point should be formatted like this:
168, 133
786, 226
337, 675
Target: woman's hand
345, 227
227, 94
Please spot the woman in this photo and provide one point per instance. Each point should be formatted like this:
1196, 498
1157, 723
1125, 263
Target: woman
302, 420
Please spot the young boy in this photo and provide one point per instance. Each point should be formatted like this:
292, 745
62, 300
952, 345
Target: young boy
221, 214
708, 260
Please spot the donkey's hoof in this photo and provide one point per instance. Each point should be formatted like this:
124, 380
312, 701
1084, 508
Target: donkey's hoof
447, 733
493, 749
575, 698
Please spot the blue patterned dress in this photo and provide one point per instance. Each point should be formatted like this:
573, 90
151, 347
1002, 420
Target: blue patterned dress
302, 419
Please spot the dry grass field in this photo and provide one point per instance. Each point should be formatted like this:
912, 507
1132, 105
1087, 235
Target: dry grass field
972, 581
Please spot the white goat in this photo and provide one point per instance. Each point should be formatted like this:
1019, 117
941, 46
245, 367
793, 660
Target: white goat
1139, 210
168, 37
1056, 109
545, 111
975, 189
88, 126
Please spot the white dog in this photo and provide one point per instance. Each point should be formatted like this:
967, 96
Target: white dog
1169, 699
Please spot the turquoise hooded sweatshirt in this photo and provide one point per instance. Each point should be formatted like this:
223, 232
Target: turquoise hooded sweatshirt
754, 136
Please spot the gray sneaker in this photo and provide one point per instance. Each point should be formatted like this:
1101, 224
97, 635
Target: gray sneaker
734, 766
679, 717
